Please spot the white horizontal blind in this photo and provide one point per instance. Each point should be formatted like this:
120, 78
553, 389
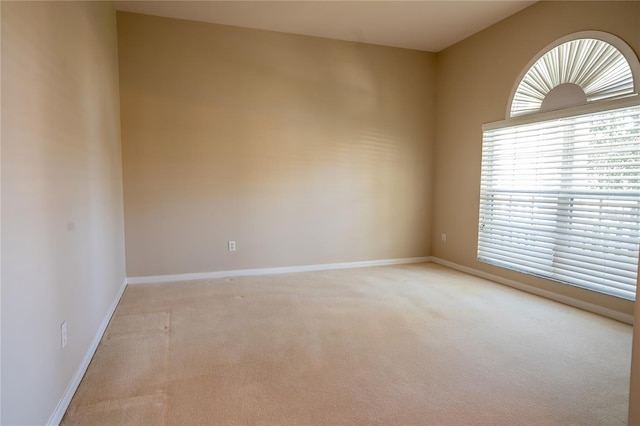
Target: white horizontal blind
560, 199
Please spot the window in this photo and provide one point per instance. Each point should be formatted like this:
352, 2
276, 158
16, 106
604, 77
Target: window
560, 185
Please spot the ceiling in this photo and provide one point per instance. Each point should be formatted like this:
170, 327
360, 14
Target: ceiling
422, 25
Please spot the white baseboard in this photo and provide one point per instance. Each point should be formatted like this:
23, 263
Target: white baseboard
268, 271
63, 404
596, 309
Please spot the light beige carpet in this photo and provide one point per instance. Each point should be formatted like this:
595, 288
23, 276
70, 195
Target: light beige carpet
411, 344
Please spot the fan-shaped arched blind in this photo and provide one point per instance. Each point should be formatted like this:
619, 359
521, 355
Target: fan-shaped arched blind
594, 65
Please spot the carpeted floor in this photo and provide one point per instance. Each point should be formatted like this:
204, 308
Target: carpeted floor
409, 344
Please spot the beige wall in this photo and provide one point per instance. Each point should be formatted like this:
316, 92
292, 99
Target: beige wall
474, 81
302, 150
62, 217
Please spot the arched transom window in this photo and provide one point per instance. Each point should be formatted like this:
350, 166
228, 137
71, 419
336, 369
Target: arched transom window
575, 72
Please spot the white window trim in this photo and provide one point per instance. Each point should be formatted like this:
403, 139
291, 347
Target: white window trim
633, 100
570, 257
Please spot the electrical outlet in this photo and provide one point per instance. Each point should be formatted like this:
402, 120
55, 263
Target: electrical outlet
444, 238
232, 246
63, 334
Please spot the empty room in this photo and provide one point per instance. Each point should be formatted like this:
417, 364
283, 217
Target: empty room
319, 212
